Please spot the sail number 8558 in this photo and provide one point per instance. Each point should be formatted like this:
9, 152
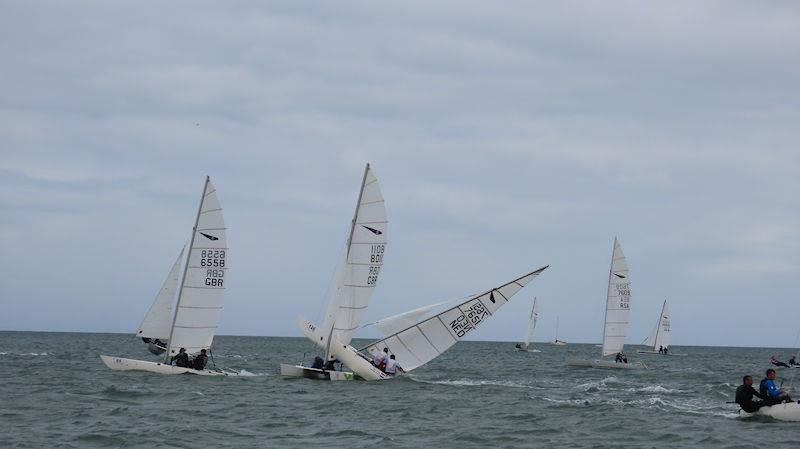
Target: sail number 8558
212, 258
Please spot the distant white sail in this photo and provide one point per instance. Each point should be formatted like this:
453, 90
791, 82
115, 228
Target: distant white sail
660, 336
396, 323
360, 266
532, 323
425, 340
617, 303
157, 322
200, 298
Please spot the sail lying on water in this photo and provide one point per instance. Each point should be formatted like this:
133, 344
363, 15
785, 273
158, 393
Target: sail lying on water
157, 321
426, 340
659, 338
617, 303
202, 287
532, 323
360, 266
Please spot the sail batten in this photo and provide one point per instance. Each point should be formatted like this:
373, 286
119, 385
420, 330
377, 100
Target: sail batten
616, 320
422, 342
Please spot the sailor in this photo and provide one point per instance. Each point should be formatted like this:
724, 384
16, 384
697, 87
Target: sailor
200, 360
774, 360
792, 361
518, 346
318, 363
745, 393
329, 365
665, 349
380, 359
618, 359
660, 349
181, 359
771, 392
621, 358
392, 367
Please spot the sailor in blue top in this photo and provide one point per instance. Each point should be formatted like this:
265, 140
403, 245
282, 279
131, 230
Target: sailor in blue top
771, 391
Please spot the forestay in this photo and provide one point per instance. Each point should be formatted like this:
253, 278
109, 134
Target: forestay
156, 323
660, 336
426, 340
617, 303
199, 302
532, 324
361, 263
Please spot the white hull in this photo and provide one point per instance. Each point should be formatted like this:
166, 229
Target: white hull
660, 353
315, 373
558, 343
527, 350
123, 364
604, 364
783, 412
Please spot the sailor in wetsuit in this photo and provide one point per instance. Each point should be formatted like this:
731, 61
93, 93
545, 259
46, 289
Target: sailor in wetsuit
771, 392
200, 360
745, 393
181, 359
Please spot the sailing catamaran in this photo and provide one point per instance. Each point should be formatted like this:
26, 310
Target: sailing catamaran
556, 341
615, 326
355, 281
198, 280
525, 346
659, 338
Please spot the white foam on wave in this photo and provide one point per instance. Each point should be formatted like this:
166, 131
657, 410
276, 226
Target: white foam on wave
473, 383
652, 389
597, 383
38, 354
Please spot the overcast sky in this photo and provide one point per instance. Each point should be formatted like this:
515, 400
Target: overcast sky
506, 136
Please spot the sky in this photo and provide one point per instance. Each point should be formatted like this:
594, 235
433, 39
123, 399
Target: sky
506, 136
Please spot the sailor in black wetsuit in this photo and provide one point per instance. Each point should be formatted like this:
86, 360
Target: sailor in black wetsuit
182, 359
745, 393
200, 360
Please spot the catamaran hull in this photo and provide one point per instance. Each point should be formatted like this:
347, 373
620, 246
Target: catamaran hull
660, 353
603, 364
123, 364
527, 350
315, 373
783, 412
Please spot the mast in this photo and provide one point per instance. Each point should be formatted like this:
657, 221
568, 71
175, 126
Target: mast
185, 269
658, 326
349, 241
610, 272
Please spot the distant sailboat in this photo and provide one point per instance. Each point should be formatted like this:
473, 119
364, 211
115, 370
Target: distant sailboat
525, 346
556, 341
192, 323
615, 325
659, 338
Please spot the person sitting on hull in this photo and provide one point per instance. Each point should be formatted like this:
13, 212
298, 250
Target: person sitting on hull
318, 363
745, 393
330, 365
665, 349
392, 367
792, 361
181, 359
518, 346
768, 388
380, 359
621, 358
200, 360
660, 349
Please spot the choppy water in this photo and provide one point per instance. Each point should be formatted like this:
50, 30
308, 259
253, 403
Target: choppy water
57, 393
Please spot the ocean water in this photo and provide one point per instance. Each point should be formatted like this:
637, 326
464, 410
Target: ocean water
56, 393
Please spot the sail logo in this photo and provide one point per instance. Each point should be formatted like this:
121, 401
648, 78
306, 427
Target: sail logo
619, 276
372, 230
210, 237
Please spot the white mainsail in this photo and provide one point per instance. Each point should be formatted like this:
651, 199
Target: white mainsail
157, 321
202, 288
659, 338
426, 340
532, 324
361, 263
396, 323
617, 303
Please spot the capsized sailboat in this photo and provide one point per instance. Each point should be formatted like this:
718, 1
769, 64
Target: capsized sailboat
355, 281
525, 345
197, 278
615, 325
788, 411
556, 341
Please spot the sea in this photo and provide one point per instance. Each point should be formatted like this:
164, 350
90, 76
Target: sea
56, 393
